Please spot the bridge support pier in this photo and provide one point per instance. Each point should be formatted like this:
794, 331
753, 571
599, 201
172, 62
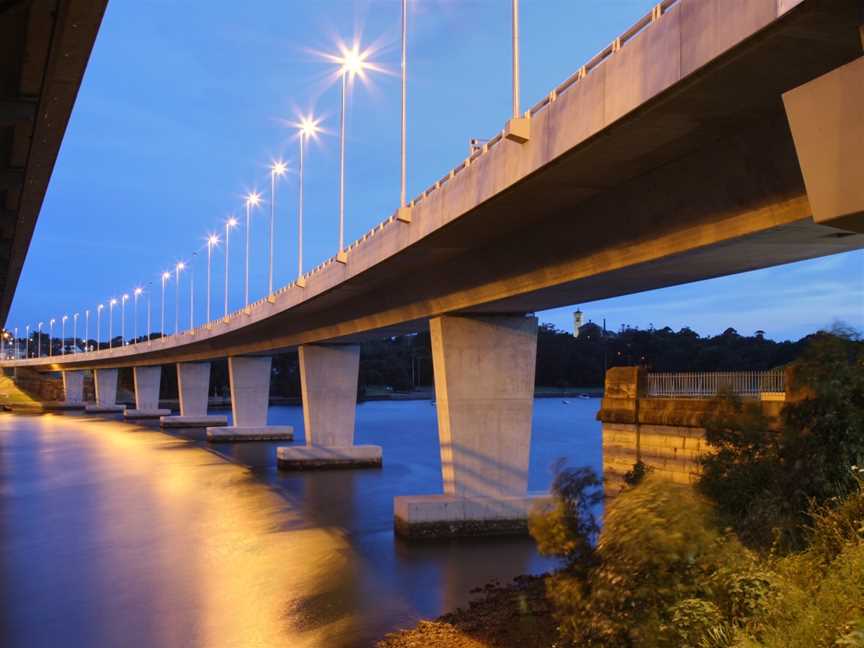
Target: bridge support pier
484, 386
193, 387
328, 380
105, 381
147, 380
250, 399
73, 390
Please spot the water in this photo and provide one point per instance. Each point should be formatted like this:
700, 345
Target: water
116, 534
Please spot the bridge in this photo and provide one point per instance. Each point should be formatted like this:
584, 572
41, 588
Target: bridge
704, 141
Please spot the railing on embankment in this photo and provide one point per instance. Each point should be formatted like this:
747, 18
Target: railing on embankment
707, 384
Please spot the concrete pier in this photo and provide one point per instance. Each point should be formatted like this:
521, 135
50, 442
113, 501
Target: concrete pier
250, 399
73, 392
193, 385
328, 381
147, 381
484, 388
105, 381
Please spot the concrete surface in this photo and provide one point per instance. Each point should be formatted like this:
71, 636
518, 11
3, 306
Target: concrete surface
251, 433
104, 409
317, 457
73, 387
328, 382
193, 386
105, 381
192, 421
672, 161
147, 381
146, 414
441, 516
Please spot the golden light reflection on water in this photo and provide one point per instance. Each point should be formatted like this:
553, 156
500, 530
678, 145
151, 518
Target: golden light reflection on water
218, 558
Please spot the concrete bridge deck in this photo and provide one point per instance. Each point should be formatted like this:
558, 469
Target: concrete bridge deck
668, 159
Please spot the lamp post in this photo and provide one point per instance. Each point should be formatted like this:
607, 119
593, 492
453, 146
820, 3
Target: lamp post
149, 329
352, 64
87, 329
27, 347
39, 341
212, 240
63, 334
230, 224
111, 304
99, 326
136, 294
192, 291
75, 332
17, 344
402, 194
165, 277
277, 170
180, 266
515, 8
123, 301
308, 128
252, 200
51, 335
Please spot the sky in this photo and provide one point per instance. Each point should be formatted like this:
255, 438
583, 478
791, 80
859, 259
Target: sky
185, 105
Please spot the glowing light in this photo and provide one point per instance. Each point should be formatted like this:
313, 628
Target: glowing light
253, 199
353, 61
166, 275
125, 296
181, 266
113, 302
213, 239
65, 317
100, 307
279, 168
308, 127
138, 291
232, 222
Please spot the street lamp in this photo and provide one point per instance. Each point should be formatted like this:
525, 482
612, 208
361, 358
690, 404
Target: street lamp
230, 224
87, 329
352, 64
123, 301
308, 128
192, 291
402, 194
111, 305
63, 334
180, 266
39, 342
165, 277
252, 200
75, 332
99, 326
277, 170
136, 294
149, 329
515, 9
51, 335
212, 240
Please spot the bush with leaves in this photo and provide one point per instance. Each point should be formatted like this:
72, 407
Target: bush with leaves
765, 479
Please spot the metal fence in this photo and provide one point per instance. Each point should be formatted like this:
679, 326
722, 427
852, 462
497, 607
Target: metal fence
708, 384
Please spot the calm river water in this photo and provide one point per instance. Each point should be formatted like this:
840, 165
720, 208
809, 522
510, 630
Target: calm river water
113, 534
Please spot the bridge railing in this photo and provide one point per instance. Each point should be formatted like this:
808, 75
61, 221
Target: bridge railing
747, 384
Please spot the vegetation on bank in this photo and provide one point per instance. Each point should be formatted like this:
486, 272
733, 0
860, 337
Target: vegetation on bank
767, 550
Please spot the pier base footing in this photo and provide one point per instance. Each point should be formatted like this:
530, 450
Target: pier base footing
104, 409
322, 458
192, 421
146, 414
450, 516
262, 433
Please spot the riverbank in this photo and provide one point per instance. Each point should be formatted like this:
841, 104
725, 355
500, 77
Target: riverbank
516, 615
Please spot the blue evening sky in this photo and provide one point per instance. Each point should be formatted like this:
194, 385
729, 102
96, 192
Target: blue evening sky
184, 105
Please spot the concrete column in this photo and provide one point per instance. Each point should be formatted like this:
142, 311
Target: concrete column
328, 381
193, 387
105, 381
484, 390
147, 380
250, 399
828, 130
73, 387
